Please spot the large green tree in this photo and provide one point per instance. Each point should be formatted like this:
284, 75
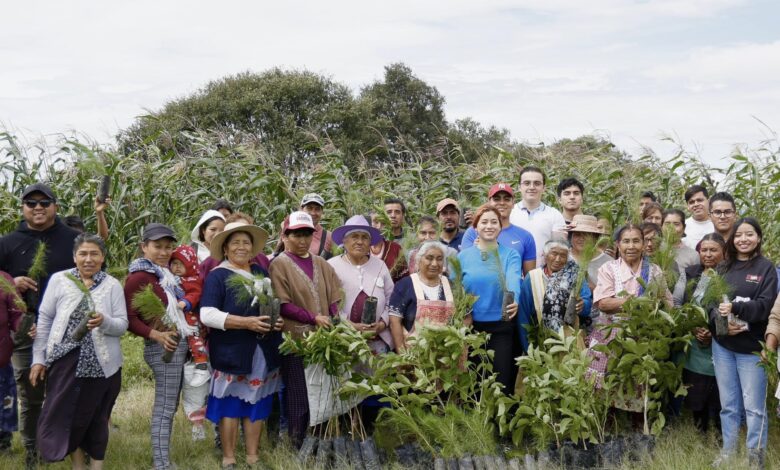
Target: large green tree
290, 112
403, 113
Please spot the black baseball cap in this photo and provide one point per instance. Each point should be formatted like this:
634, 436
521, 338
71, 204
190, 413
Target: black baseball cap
39, 188
156, 231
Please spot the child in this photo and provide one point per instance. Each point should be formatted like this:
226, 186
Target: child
184, 264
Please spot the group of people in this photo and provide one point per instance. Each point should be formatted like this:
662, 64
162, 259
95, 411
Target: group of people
212, 334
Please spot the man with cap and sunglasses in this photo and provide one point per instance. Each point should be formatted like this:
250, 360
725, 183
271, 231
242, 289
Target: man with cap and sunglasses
448, 213
40, 224
502, 197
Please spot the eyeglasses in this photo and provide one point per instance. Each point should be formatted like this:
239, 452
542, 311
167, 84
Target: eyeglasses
31, 203
726, 213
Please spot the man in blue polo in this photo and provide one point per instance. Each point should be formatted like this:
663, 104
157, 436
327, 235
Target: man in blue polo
502, 198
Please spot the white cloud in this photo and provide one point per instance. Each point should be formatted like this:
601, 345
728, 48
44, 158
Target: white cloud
542, 68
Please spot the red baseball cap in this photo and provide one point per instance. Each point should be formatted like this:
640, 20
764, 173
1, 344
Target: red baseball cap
498, 187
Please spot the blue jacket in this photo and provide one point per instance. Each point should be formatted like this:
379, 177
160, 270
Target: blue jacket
232, 351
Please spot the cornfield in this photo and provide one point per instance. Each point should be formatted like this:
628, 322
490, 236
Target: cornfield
175, 187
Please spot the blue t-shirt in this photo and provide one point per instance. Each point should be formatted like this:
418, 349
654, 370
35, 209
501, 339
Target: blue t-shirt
481, 279
513, 237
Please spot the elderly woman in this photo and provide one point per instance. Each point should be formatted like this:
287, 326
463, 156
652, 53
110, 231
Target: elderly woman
210, 263
742, 384
490, 270
310, 291
211, 223
364, 277
699, 373
426, 294
244, 347
546, 291
158, 242
83, 375
617, 282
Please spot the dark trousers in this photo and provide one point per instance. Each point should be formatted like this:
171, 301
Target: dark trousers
503, 336
30, 398
296, 398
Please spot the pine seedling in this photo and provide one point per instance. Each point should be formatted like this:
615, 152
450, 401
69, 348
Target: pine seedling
588, 253
717, 288
9, 289
38, 267
150, 308
666, 253
462, 299
81, 329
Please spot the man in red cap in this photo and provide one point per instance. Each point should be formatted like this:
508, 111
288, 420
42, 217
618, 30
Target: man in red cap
448, 213
502, 197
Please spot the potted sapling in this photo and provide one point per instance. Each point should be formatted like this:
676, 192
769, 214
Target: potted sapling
36, 272
508, 297
258, 292
81, 329
151, 309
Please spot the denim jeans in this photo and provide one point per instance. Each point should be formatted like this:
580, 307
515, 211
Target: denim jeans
742, 387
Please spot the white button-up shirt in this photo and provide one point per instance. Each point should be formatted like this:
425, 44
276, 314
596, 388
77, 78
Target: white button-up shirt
541, 222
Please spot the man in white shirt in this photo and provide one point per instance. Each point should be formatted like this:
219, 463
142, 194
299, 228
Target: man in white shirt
532, 214
699, 223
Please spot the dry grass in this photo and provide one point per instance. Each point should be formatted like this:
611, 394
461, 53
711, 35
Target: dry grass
680, 446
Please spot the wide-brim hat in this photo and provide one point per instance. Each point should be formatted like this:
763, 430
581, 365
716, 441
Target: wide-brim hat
259, 237
356, 223
585, 224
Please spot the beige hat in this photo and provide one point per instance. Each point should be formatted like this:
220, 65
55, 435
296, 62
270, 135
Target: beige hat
585, 224
259, 237
447, 202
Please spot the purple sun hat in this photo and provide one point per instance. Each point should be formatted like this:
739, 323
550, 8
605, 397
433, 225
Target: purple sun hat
356, 223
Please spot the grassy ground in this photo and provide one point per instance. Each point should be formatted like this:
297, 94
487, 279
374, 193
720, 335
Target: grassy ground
680, 446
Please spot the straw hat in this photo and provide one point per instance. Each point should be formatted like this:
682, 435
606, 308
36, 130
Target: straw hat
356, 223
259, 237
585, 224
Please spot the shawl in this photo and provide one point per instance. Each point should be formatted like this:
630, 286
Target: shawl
292, 285
556, 296
172, 288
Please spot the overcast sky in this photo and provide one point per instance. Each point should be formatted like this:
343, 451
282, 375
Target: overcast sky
704, 71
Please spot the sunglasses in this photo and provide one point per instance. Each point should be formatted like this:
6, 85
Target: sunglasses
31, 203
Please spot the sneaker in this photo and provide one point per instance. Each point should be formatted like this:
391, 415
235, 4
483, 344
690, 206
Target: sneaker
198, 433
